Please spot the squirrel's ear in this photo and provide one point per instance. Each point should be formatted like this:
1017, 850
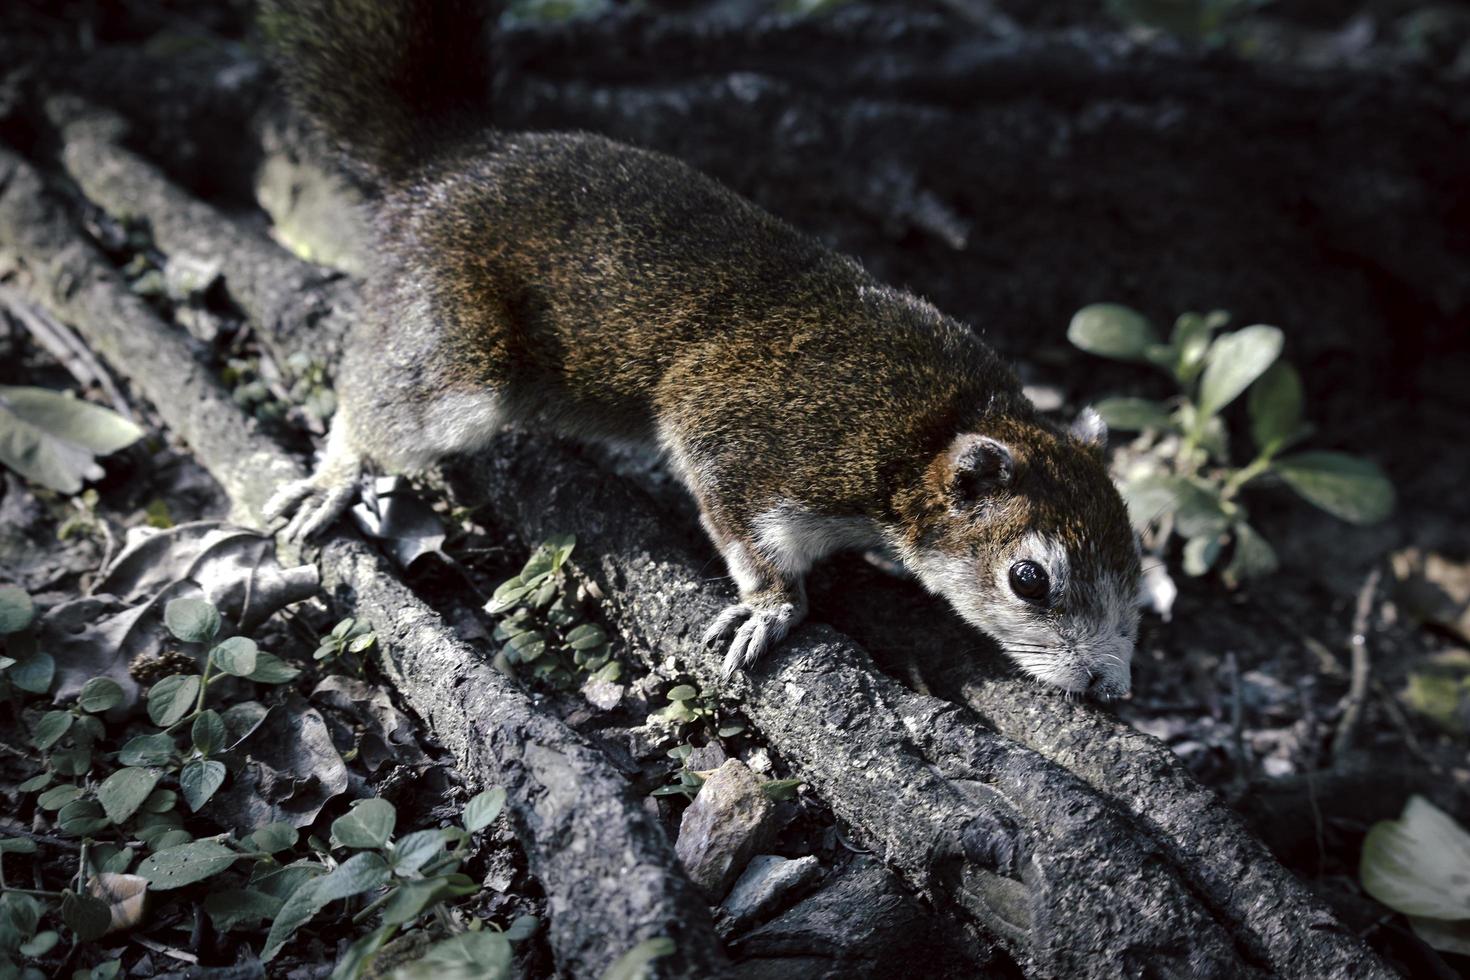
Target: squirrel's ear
975, 466
1090, 429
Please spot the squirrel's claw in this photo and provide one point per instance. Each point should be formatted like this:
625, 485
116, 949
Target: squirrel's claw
315, 507
763, 628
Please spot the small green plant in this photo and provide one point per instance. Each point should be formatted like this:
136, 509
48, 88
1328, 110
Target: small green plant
110, 793
1420, 865
408, 877
690, 714
686, 782
22, 666
543, 624
1178, 479
346, 643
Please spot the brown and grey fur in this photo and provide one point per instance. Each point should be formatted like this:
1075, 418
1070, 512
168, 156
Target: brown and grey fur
570, 283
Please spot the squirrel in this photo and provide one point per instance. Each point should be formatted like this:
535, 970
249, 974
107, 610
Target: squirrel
581, 286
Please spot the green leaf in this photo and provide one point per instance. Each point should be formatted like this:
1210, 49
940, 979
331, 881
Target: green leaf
730, 731
33, 674
1252, 558
411, 898
1189, 343
40, 944
684, 692
172, 698
147, 750
1134, 414
236, 656
368, 824
483, 955
17, 845
359, 956
361, 643
71, 762
122, 793
50, 728
87, 730
175, 867
1439, 689
58, 796
191, 620
1110, 330
1200, 554
1275, 405
16, 609
1234, 361
633, 965
100, 694
609, 672
586, 637
81, 818
169, 838
781, 789
231, 908
272, 838
199, 780
39, 781
1347, 487
87, 917
560, 546
1197, 509
359, 873
271, 669
481, 811
527, 646
1419, 863
507, 595
523, 927
161, 801
416, 850
51, 439
208, 732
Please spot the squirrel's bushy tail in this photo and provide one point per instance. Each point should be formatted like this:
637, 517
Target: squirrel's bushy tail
387, 81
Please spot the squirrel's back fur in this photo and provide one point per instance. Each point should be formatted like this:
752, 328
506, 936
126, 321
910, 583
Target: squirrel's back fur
568, 282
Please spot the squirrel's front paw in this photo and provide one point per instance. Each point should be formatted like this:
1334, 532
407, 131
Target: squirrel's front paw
315, 506
760, 629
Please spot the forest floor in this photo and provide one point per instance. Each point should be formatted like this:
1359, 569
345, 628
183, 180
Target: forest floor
1251, 686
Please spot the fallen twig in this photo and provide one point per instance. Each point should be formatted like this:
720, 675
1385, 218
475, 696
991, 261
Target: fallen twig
1357, 693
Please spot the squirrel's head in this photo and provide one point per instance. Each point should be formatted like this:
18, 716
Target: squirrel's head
1026, 536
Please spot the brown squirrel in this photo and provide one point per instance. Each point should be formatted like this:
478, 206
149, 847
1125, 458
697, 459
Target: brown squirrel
574, 284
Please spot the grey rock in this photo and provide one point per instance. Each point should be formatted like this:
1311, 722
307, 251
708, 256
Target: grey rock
768, 883
706, 757
730, 820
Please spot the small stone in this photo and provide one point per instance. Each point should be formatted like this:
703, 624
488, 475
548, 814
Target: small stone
759, 761
768, 883
604, 694
730, 820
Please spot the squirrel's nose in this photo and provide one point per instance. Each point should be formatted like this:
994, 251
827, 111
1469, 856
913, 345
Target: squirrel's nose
1107, 689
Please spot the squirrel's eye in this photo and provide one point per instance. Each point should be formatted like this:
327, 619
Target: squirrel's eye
1028, 580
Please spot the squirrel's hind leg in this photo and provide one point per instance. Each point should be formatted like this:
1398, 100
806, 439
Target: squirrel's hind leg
315, 502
